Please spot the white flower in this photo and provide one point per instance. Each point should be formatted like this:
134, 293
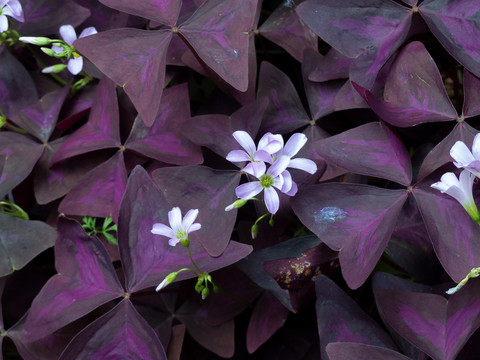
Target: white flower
460, 189
464, 158
11, 8
179, 229
75, 64
266, 181
267, 145
291, 148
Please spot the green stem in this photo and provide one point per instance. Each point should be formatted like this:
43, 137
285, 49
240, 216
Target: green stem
193, 262
188, 269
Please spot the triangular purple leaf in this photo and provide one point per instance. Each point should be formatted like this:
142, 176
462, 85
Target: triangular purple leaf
348, 351
209, 191
334, 65
164, 140
453, 233
21, 154
371, 149
22, 240
102, 129
147, 258
438, 327
99, 192
162, 11
219, 32
40, 118
139, 67
414, 91
285, 111
120, 333
340, 319
86, 279
355, 219
455, 24
471, 93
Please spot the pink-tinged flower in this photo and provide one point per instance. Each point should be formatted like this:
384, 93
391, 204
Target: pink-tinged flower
266, 182
464, 158
11, 8
267, 145
460, 189
179, 229
75, 64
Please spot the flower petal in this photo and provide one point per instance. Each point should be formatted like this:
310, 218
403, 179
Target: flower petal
287, 181
255, 168
245, 140
271, 200
189, 218
194, 227
3, 23
279, 166
87, 32
162, 229
294, 144
248, 190
237, 156
68, 34
270, 143
175, 219
262, 155
461, 154
162, 285
75, 65
293, 190
57, 49
173, 241
303, 164
14, 9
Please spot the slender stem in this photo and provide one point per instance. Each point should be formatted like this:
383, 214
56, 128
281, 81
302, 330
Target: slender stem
193, 262
188, 269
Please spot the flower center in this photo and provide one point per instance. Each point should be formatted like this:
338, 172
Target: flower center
266, 181
180, 234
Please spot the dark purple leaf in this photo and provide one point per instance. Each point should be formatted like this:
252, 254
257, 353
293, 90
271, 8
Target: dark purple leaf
44, 17
218, 339
147, 258
135, 60
21, 154
22, 240
40, 118
102, 129
51, 183
219, 32
175, 345
86, 279
455, 24
414, 91
355, 219
99, 192
102, 17
2, 287
371, 149
215, 131
453, 233
164, 12
440, 154
348, 98
17, 89
438, 327
209, 191
120, 333
340, 319
348, 351
368, 31
284, 28
268, 316
164, 140
471, 91
334, 65
285, 111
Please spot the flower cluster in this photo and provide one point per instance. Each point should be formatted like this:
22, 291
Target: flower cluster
272, 151
11, 8
461, 188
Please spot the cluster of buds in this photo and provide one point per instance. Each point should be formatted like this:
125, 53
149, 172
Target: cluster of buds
462, 188
272, 151
178, 232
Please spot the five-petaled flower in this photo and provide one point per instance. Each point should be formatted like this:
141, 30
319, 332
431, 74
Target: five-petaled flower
464, 158
460, 189
75, 64
11, 8
179, 229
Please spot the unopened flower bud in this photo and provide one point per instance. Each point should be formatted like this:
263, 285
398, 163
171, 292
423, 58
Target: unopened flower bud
205, 293
54, 68
254, 231
40, 40
236, 205
168, 280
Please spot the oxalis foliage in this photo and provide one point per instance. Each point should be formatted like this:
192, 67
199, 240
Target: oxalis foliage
239, 179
